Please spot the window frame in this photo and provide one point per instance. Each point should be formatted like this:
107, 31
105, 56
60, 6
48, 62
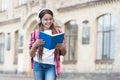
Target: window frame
104, 30
71, 39
2, 46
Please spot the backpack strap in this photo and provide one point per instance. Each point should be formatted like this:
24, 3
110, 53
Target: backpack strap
34, 36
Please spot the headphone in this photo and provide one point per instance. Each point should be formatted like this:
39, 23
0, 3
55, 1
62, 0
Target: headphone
38, 19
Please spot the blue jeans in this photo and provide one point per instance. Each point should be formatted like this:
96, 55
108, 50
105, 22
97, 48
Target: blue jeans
44, 71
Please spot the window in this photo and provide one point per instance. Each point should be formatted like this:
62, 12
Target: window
43, 5
4, 4
85, 32
71, 41
85, 35
105, 38
8, 42
16, 48
21, 2
2, 39
21, 41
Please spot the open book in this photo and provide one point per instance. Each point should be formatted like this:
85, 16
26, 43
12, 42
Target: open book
51, 40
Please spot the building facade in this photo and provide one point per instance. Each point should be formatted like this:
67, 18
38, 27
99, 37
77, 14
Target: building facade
91, 33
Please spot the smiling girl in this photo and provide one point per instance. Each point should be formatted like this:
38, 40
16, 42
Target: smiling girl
46, 63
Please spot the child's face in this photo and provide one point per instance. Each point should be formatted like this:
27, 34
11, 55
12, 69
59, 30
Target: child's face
47, 21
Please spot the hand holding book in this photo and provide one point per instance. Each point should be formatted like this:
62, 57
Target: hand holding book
38, 42
60, 48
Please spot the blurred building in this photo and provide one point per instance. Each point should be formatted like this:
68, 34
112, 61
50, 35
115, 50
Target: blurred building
91, 33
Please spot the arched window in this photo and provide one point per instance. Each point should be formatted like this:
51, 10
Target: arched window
71, 41
105, 39
2, 46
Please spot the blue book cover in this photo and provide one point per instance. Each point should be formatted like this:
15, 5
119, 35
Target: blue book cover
51, 40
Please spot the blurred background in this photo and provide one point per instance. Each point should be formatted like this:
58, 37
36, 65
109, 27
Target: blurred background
92, 35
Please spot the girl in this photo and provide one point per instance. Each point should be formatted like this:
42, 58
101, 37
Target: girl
46, 63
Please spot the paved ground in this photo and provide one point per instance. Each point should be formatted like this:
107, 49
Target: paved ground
68, 76
14, 77
21, 77
4, 78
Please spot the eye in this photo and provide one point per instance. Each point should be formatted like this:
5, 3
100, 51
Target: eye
50, 19
45, 19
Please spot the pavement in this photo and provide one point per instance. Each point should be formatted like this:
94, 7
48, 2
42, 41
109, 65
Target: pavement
15, 77
67, 76
24, 77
